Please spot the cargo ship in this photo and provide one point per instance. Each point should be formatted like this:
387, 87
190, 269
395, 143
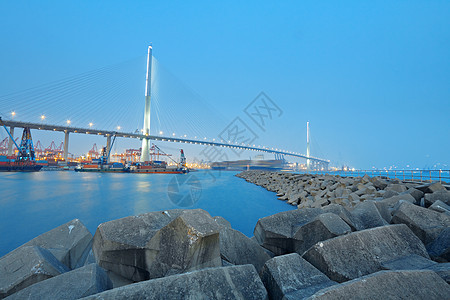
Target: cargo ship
25, 160
247, 164
148, 167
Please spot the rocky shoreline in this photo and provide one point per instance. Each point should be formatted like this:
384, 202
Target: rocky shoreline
352, 238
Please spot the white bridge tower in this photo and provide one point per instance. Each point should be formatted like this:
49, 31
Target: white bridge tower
145, 156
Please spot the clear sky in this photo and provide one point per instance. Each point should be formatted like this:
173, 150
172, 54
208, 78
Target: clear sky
372, 77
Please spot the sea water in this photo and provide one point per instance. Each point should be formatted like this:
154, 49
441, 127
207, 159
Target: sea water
33, 203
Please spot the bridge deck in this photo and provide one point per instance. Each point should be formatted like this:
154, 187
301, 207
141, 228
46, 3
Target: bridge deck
49, 127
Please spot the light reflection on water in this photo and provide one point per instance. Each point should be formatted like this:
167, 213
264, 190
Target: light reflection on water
33, 203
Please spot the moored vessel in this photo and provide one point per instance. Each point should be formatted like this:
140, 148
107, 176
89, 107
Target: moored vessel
25, 160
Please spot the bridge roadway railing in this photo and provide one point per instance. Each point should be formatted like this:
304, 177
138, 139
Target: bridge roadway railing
109, 133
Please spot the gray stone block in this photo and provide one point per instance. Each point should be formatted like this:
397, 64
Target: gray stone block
26, 266
439, 249
119, 245
222, 222
368, 215
425, 223
389, 194
344, 214
379, 182
275, 232
392, 201
79, 283
440, 206
323, 227
188, 243
399, 188
443, 196
384, 210
68, 242
238, 249
291, 277
234, 282
418, 284
435, 187
409, 262
417, 194
443, 270
362, 252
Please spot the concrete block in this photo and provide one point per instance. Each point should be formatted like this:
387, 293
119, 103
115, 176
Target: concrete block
275, 232
234, 282
291, 277
79, 283
363, 252
439, 249
425, 223
238, 249
188, 243
323, 227
418, 284
26, 266
368, 215
68, 242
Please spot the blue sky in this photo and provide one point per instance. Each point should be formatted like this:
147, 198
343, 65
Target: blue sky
372, 77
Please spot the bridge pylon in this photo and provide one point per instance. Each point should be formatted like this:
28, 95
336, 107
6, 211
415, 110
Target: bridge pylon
145, 156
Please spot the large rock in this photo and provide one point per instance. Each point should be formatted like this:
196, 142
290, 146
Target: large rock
440, 206
276, 232
392, 201
291, 277
379, 182
425, 223
119, 245
435, 187
439, 249
26, 266
443, 270
344, 214
323, 227
443, 196
399, 188
390, 285
79, 283
368, 215
68, 242
363, 252
409, 262
238, 249
417, 262
417, 194
234, 282
188, 243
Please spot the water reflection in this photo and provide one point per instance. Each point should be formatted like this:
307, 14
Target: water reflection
35, 203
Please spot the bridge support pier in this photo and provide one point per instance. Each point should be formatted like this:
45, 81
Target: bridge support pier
10, 142
66, 144
108, 146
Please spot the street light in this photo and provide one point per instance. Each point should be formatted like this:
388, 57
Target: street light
68, 122
90, 124
118, 127
42, 117
13, 114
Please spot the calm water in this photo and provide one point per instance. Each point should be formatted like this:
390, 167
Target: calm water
33, 203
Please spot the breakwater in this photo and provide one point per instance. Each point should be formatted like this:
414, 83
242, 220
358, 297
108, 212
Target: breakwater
394, 243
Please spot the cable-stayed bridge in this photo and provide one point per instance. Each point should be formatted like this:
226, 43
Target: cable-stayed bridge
52, 96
